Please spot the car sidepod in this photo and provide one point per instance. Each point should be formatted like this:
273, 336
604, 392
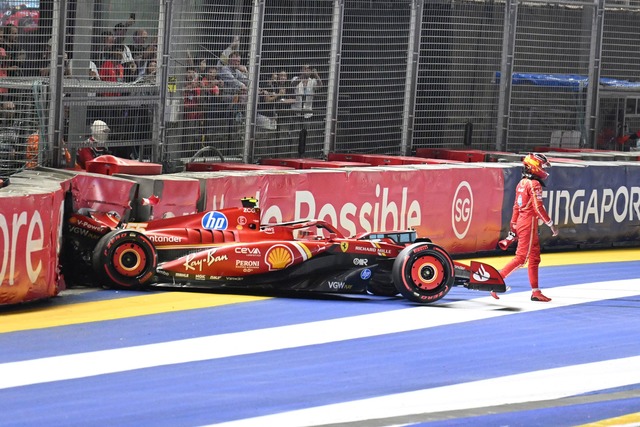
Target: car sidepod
258, 262
310, 266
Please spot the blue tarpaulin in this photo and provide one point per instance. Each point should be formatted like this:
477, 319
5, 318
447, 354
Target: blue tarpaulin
566, 80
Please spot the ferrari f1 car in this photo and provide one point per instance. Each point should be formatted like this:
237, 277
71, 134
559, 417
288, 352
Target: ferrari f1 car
231, 249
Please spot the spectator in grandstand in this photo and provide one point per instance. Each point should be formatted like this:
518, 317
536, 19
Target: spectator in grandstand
150, 73
216, 104
203, 68
138, 49
283, 90
112, 69
304, 88
95, 145
235, 78
237, 114
103, 51
120, 33
127, 61
239, 103
192, 93
16, 55
267, 102
191, 107
210, 81
43, 63
285, 97
284, 111
233, 74
94, 73
234, 46
149, 55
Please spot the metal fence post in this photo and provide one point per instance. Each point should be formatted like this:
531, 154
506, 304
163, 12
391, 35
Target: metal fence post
164, 52
506, 71
411, 86
255, 56
592, 106
333, 85
56, 114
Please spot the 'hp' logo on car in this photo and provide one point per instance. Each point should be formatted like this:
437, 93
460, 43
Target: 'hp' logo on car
214, 221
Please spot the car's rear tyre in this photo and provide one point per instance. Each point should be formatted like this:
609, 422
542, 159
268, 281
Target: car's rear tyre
423, 272
125, 258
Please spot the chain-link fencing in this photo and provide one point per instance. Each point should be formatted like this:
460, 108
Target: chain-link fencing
239, 80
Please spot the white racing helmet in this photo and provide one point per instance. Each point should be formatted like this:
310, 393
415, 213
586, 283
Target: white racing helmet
100, 131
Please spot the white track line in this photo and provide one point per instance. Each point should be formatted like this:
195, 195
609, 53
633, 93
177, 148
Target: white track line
529, 387
80, 365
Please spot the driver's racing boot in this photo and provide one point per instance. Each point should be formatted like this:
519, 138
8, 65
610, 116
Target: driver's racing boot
536, 295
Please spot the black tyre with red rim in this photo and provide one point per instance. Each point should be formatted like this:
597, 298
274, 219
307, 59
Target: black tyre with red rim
125, 258
423, 272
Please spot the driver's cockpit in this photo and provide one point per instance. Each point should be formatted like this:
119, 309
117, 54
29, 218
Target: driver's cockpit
398, 237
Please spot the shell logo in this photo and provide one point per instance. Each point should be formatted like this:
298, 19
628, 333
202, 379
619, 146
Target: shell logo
278, 257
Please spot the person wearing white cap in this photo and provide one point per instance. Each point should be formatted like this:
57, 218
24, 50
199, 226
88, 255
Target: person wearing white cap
95, 145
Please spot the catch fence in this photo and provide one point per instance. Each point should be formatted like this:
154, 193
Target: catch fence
241, 80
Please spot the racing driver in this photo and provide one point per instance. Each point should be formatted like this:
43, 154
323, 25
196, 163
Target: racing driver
95, 145
527, 211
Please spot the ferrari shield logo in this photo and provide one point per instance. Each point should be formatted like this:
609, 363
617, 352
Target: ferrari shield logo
344, 246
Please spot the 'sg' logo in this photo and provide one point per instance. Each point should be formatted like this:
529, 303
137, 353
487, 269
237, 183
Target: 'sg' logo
462, 210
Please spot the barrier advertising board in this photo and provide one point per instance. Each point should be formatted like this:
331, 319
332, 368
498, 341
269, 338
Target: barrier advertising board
30, 237
457, 207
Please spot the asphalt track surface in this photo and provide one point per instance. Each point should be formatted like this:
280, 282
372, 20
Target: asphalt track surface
107, 358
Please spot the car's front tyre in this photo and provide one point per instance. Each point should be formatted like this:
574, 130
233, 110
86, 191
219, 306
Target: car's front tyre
125, 258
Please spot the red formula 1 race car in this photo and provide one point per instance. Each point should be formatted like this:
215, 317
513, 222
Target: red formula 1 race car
231, 249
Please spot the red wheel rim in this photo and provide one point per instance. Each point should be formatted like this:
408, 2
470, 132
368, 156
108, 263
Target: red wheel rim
427, 273
129, 260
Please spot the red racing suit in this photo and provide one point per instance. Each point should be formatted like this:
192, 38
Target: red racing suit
84, 154
527, 210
